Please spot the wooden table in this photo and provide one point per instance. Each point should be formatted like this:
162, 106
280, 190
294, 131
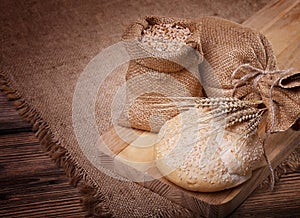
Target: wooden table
33, 186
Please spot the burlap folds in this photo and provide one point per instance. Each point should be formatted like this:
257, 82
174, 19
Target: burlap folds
160, 74
238, 62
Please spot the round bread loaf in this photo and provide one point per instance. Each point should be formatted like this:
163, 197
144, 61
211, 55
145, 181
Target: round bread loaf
197, 153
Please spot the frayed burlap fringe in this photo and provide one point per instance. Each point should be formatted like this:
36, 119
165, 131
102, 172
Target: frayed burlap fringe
290, 164
92, 200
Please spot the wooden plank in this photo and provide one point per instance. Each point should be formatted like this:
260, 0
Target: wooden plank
278, 147
285, 30
31, 184
290, 56
282, 202
10, 121
279, 21
270, 14
114, 134
207, 204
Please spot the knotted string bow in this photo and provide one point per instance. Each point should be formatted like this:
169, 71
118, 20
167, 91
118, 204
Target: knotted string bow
279, 91
284, 107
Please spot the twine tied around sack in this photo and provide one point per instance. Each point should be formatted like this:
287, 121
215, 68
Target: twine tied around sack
257, 75
250, 86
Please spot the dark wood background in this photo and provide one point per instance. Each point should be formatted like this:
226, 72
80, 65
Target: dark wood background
33, 186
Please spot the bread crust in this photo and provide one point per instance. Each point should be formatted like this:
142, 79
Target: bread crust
199, 154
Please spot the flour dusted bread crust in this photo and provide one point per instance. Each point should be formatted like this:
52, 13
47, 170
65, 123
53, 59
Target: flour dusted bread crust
197, 153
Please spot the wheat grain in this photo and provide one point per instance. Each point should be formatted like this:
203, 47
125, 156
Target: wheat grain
165, 37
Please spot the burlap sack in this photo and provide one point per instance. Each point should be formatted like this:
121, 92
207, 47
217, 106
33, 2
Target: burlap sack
160, 60
159, 74
240, 63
